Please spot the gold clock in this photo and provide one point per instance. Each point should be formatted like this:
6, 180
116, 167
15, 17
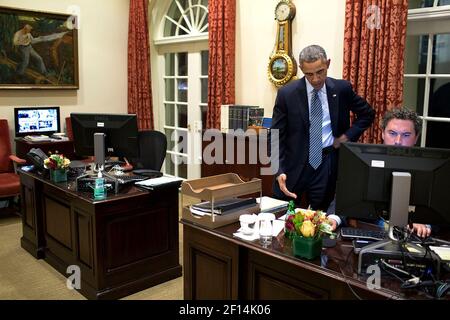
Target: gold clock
282, 65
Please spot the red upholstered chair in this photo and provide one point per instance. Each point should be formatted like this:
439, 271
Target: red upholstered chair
9, 180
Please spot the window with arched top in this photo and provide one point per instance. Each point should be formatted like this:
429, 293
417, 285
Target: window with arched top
186, 18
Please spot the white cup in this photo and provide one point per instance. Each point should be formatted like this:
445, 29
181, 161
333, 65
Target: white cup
247, 223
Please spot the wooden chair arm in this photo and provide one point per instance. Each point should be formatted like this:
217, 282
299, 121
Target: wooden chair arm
17, 160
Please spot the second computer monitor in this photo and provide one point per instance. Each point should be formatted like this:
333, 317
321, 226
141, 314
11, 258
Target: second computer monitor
121, 133
364, 182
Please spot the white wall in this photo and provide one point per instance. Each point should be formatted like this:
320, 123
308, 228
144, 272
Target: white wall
102, 51
316, 22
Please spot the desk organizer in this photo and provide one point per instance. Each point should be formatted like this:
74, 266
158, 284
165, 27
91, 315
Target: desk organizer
215, 188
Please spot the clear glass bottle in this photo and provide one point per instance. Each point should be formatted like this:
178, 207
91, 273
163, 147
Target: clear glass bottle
289, 229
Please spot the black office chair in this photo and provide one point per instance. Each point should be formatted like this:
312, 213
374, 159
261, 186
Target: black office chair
152, 151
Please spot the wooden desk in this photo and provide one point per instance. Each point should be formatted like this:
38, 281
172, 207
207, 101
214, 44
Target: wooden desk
219, 266
122, 245
64, 147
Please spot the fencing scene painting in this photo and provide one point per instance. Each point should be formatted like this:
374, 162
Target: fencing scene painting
38, 50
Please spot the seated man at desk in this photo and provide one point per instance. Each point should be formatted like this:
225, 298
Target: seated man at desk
401, 127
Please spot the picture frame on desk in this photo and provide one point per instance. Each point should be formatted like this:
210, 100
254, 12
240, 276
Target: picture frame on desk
38, 50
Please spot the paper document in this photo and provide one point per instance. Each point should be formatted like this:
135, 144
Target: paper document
37, 138
155, 182
442, 252
270, 204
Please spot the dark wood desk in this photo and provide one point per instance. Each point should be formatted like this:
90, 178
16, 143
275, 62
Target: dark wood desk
122, 245
64, 147
220, 266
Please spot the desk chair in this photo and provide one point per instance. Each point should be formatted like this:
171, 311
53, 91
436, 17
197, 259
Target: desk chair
152, 151
9, 179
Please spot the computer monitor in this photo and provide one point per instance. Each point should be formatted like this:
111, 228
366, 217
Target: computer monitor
364, 185
121, 133
36, 121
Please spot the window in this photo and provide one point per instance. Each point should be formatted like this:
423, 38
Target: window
427, 69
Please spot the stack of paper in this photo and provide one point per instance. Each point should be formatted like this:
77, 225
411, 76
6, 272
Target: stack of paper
269, 204
224, 206
157, 182
37, 138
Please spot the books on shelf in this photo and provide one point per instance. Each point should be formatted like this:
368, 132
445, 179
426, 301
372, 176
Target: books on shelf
222, 207
233, 117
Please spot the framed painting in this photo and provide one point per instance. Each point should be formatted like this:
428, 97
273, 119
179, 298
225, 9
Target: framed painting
38, 50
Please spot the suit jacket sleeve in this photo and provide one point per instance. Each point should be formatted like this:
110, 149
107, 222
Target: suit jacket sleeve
363, 112
279, 122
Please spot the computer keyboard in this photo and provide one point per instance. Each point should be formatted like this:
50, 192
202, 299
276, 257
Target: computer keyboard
125, 178
354, 233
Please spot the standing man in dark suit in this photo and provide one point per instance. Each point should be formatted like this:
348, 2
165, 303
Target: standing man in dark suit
312, 116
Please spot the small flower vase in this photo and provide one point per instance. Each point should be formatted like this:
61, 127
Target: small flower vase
58, 175
309, 248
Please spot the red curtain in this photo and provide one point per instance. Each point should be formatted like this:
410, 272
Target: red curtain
222, 29
139, 84
374, 43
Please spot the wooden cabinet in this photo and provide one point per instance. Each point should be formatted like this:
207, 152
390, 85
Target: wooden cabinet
245, 155
211, 267
64, 147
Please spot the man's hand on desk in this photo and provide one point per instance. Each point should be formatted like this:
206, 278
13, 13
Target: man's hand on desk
333, 224
422, 230
282, 183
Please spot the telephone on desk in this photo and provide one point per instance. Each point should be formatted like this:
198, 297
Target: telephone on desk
37, 157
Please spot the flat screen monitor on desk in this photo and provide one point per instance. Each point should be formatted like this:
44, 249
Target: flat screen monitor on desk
120, 133
364, 185
36, 121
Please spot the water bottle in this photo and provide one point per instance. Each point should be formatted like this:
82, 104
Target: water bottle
99, 188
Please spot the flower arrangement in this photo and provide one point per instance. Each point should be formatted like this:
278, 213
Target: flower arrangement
57, 161
307, 223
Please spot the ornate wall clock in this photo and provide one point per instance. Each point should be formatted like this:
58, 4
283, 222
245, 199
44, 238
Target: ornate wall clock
282, 65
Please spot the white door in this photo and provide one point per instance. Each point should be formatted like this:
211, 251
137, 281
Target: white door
183, 68
185, 100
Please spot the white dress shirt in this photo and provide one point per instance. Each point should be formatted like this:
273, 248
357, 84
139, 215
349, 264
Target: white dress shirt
327, 134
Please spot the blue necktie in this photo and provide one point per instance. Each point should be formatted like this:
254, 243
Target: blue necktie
315, 131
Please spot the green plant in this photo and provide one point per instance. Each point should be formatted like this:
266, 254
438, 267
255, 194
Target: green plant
56, 161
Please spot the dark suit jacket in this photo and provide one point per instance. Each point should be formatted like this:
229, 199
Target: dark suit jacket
291, 118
